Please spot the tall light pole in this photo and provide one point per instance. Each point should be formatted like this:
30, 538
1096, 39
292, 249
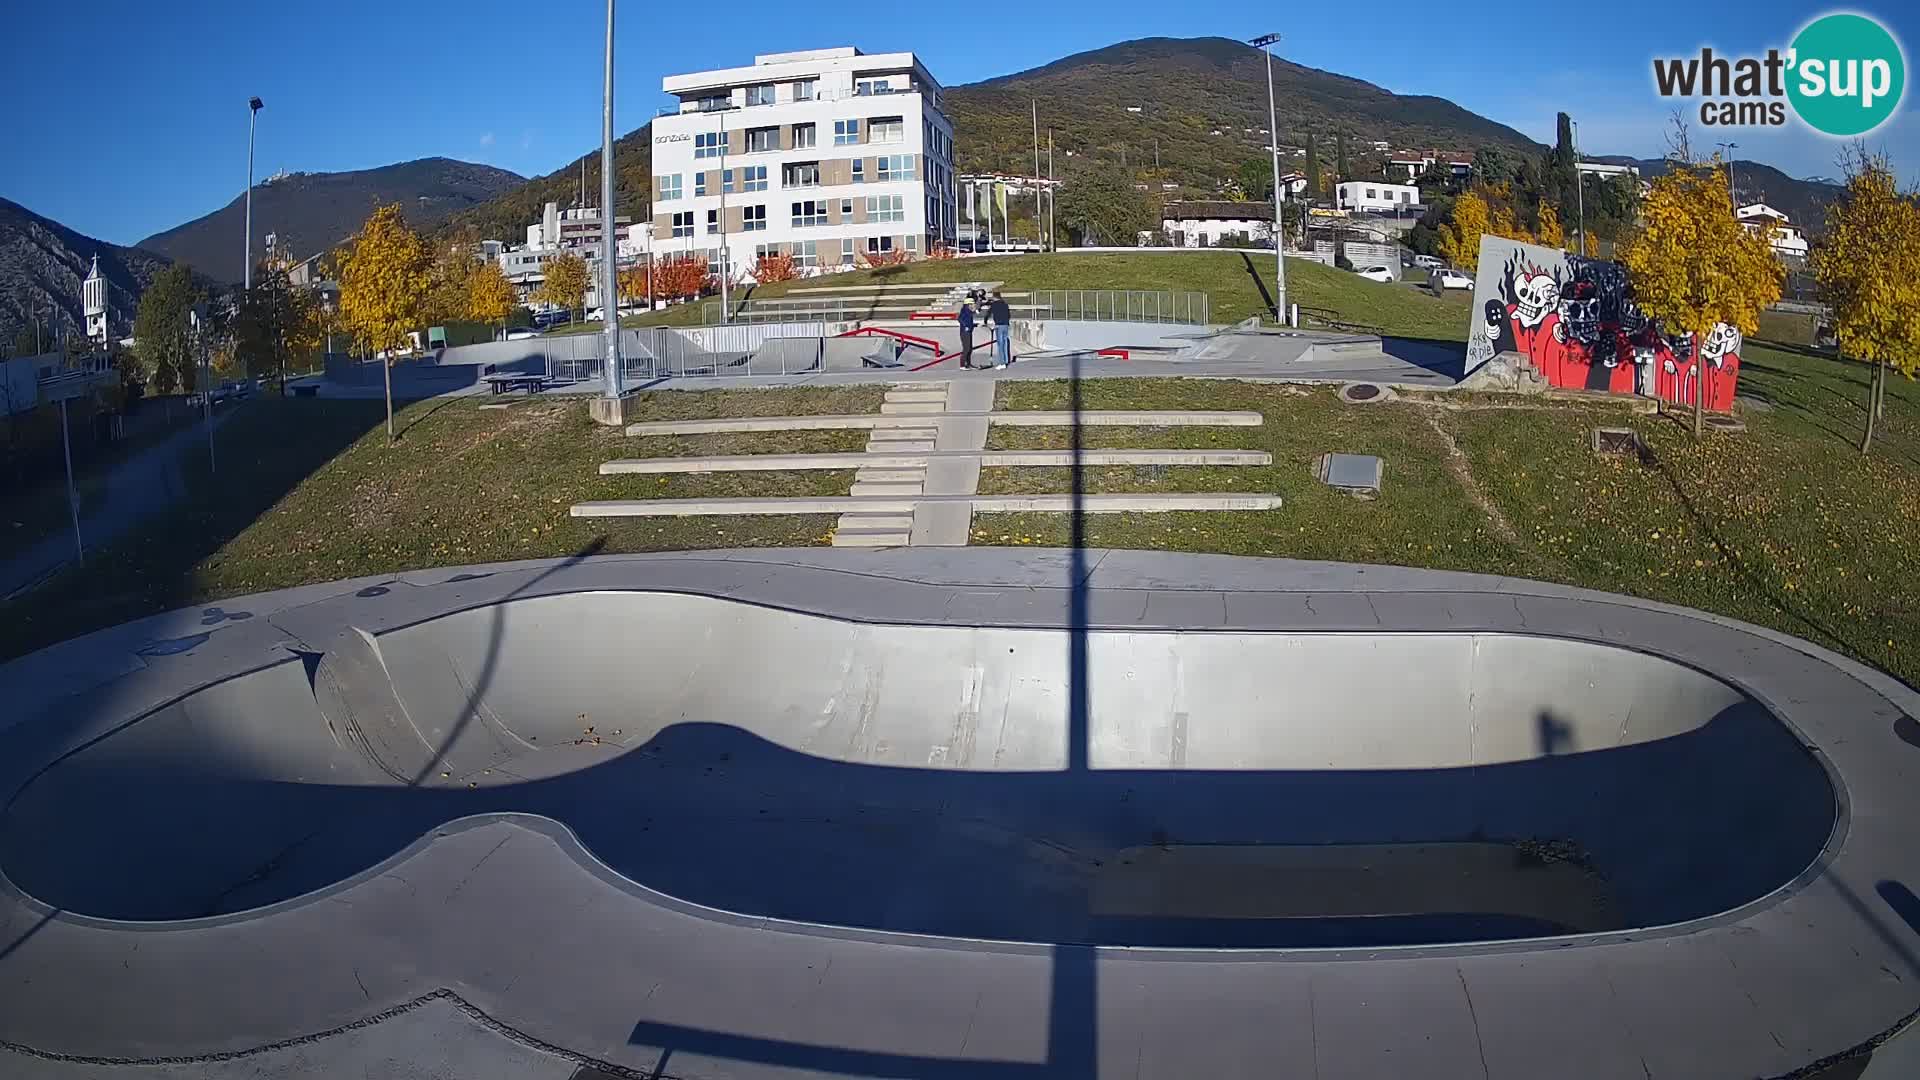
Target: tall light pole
609, 253
726, 256
1726, 152
246, 268
1265, 43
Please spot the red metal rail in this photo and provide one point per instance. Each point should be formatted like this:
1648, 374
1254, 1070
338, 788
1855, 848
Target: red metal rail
925, 343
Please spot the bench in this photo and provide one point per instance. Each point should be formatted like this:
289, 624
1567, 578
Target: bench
507, 382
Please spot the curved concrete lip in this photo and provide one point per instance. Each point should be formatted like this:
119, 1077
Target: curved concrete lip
1809, 951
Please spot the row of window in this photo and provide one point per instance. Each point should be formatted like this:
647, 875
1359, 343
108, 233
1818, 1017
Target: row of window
800, 174
800, 90
806, 214
806, 253
766, 140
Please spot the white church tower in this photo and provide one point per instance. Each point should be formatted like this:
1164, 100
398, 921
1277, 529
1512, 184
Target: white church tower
93, 298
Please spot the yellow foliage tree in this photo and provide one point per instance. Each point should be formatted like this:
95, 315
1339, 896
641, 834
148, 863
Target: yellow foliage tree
1459, 241
450, 284
1692, 264
566, 282
1500, 222
383, 288
1868, 268
490, 296
1592, 245
1550, 232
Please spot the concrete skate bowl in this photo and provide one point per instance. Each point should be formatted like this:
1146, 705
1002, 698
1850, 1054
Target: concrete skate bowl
1224, 789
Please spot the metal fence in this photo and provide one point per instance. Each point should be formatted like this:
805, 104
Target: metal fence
1115, 305
655, 353
824, 309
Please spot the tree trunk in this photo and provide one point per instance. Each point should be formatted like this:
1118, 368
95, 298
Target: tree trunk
1873, 406
386, 374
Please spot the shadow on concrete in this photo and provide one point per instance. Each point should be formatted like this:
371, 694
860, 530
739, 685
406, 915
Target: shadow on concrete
1266, 295
1437, 355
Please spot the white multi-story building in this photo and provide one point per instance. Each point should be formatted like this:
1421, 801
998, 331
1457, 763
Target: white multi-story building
828, 155
1375, 195
1788, 241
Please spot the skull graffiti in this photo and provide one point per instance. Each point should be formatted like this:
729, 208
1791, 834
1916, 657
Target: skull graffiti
1721, 340
1535, 295
1580, 319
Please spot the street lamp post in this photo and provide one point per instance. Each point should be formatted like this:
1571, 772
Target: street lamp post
1726, 151
1264, 43
726, 256
609, 254
246, 268
1579, 185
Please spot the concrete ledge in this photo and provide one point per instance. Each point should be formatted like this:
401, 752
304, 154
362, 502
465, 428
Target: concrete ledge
887, 459
1144, 503
1015, 418
612, 411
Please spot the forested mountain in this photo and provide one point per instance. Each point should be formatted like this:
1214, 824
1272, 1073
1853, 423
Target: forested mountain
42, 264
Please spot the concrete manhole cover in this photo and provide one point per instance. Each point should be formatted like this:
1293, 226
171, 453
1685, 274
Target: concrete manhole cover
1364, 393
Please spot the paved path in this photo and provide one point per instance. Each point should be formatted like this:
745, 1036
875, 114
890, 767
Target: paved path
136, 488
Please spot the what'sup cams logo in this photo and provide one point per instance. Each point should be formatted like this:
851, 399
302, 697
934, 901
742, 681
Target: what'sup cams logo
1843, 75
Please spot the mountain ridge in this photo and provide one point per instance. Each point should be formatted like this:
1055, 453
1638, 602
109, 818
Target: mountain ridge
42, 264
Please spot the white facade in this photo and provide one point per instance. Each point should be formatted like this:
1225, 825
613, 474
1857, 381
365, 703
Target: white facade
1788, 240
93, 299
1377, 195
1207, 224
827, 155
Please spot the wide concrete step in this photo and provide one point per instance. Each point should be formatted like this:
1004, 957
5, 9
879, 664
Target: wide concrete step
1015, 418
917, 393
882, 458
912, 408
890, 476
884, 490
876, 522
904, 446
872, 537
991, 504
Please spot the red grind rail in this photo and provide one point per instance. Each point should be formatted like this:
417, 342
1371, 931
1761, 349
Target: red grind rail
1121, 353
925, 343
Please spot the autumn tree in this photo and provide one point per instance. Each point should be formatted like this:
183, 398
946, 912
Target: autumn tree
875, 260
566, 282
1868, 269
634, 284
163, 331
1692, 264
772, 268
680, 277
274, 322
384, 281
1459, 241
490, 296
1549, 232
450, 284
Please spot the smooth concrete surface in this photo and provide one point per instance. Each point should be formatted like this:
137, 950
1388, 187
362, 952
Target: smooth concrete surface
1002, 459
911, 842
902, 501
1006, 418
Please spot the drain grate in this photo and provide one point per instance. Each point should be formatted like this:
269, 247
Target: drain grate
1356, 474
1364, 393
1623, 442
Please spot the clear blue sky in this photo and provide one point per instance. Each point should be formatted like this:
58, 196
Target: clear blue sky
155, 133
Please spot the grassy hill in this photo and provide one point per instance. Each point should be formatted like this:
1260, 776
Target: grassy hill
507, 215
1187, 89
313, 211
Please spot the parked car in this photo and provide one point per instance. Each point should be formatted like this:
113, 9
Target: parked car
1443, 279
521, 333
1376, 273
1428, 262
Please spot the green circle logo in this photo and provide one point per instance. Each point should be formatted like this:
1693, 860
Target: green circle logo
1847, 74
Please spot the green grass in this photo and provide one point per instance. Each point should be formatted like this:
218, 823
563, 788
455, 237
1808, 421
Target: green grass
1232, 282
1785, 525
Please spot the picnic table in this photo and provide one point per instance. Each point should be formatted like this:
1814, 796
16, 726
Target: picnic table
508, 381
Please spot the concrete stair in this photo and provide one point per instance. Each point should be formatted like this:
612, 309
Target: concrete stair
890, 479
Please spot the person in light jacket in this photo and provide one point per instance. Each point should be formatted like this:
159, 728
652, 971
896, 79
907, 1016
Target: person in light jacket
966, 333
1001, 317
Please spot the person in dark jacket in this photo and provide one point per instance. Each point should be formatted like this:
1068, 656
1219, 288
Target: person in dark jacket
966, 333
1001, 318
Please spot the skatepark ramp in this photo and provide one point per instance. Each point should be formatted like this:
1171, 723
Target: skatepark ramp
1221, 788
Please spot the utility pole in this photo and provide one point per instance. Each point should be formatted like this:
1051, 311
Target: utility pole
1726, 152
726, 256
1039, 214
1053, 197
609, 265
1265, 43
246, 267
1579, 185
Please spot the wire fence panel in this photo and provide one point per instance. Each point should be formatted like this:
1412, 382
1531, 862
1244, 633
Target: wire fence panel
1117, 305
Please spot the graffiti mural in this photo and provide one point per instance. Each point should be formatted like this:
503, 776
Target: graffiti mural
1574, 320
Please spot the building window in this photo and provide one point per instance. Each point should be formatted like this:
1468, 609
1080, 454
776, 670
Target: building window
760, 95
683, 223
913, 245
811, 212
699, 184
859, 171
886, 129
893, 167
846, 252
873, 86
715, 103
713, 222
763, 140
717, 262
753, 218
726, 181
846, 132
753, 178
846, 209
806, 253
805, 90
879, 245
800, 174
886, 208
668, 187
708, 144
1370, 194
805, 136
